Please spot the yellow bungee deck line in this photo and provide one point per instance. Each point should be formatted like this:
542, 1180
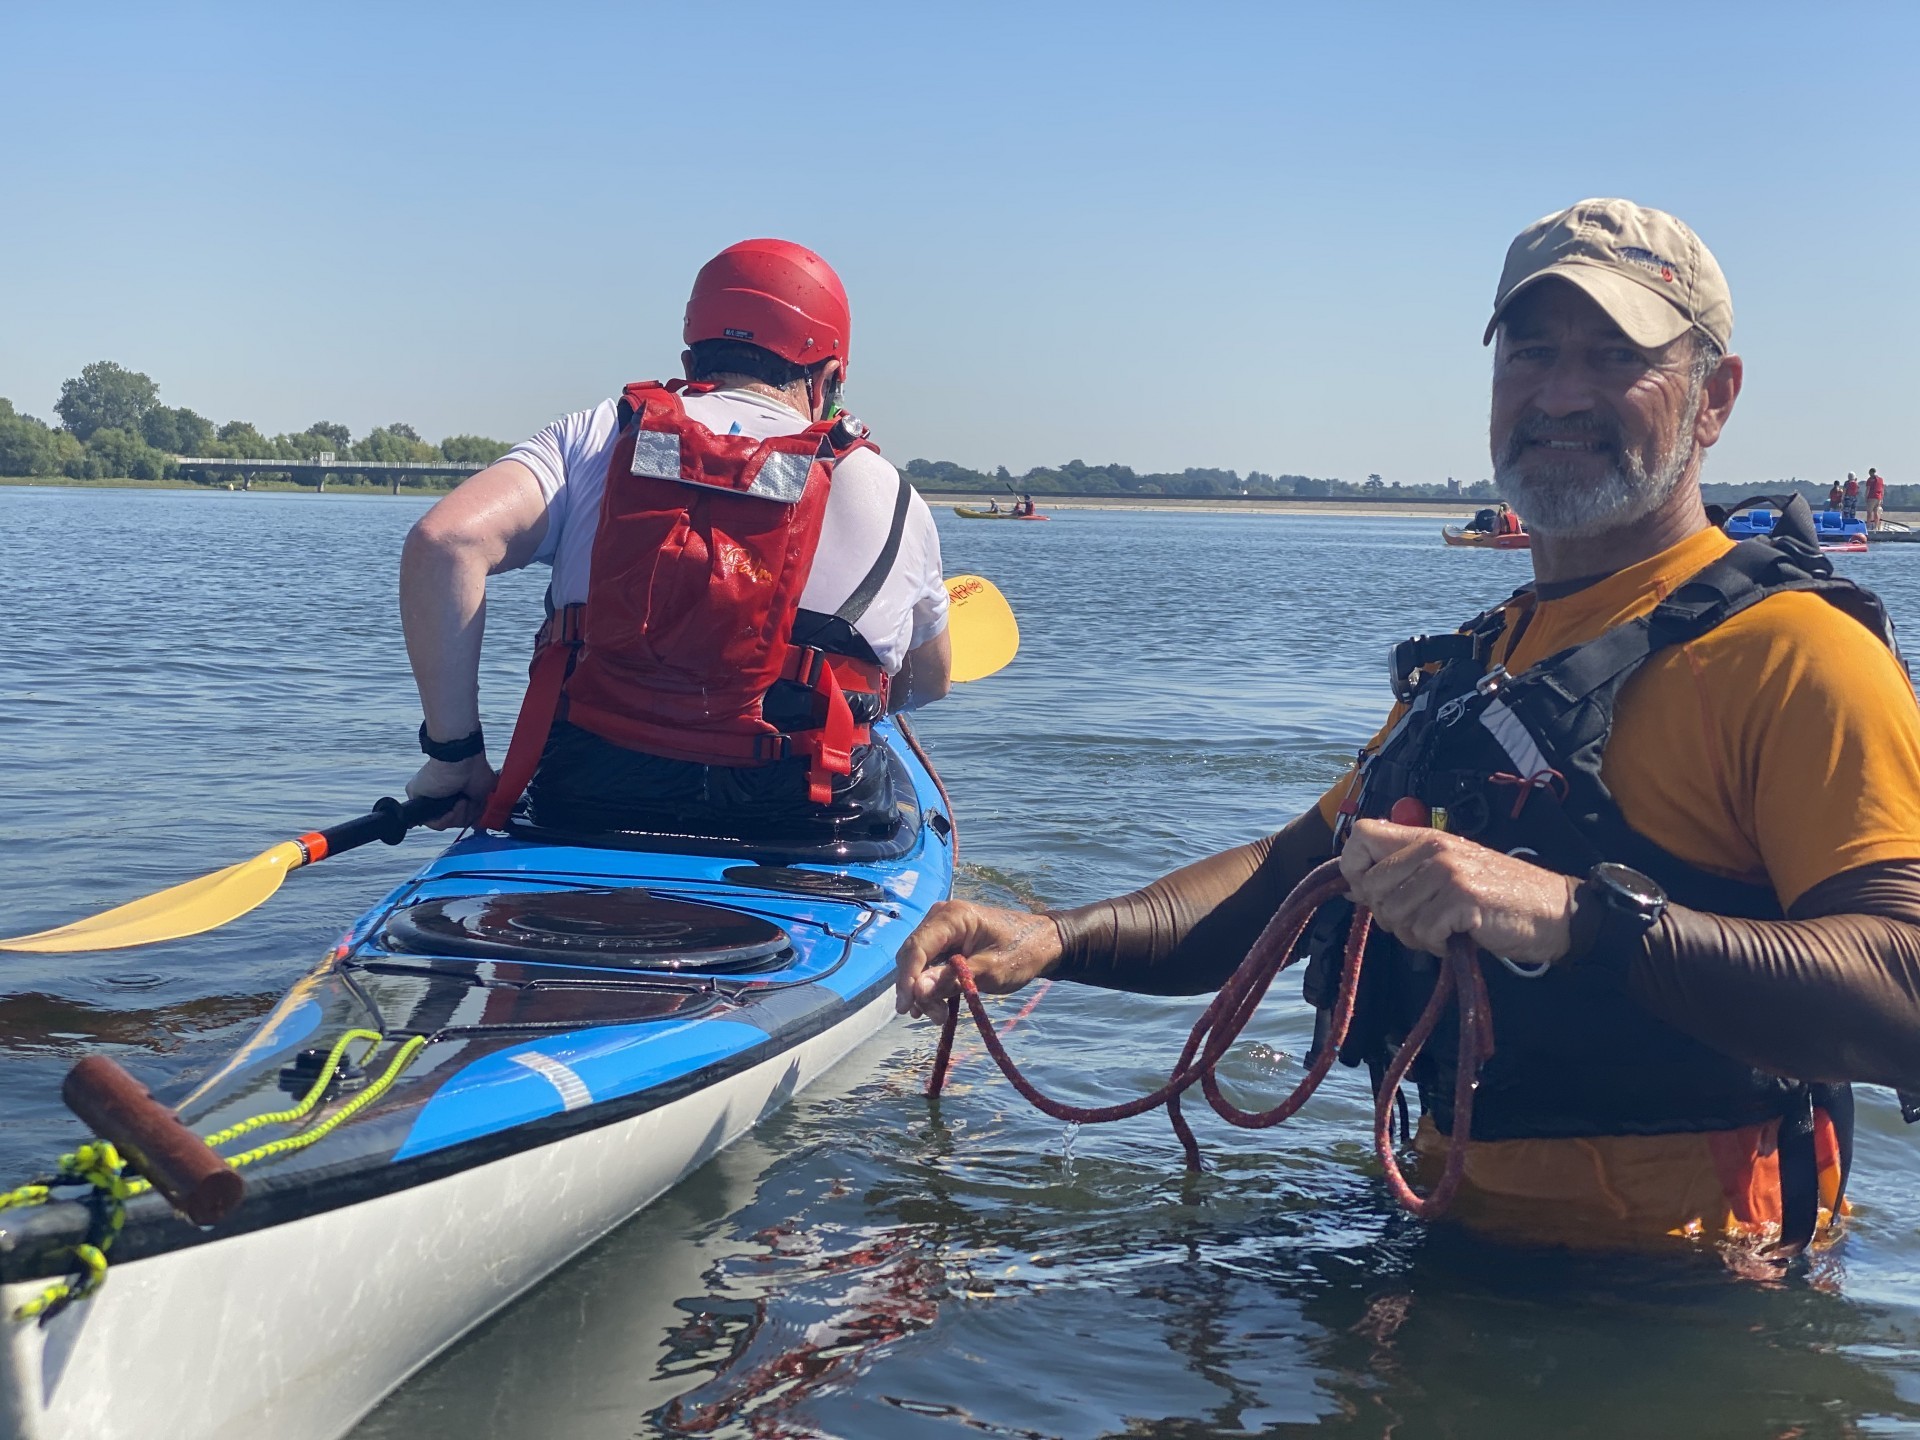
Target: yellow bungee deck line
985, 639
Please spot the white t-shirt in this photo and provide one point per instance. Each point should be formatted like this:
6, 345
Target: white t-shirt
569, 459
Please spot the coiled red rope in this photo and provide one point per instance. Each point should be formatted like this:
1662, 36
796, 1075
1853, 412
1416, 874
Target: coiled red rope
1227, 1015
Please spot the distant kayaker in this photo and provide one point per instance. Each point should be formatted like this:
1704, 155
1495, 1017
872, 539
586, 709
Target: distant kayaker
1497, 519
741, 585
1876, 498
1694, 845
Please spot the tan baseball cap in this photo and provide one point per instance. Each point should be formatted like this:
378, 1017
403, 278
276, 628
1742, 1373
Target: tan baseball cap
1646, 269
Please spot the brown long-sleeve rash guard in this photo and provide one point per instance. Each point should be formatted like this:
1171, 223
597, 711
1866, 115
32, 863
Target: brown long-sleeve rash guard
1831, 993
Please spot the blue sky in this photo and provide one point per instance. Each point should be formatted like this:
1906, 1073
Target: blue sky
1262, 236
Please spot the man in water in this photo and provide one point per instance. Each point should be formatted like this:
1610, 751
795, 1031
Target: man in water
741, 585
1680, 789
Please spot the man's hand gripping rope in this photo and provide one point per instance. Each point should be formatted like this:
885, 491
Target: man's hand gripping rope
1227, 1015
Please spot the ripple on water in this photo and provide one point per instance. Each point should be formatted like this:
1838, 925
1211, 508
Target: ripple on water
865, 1263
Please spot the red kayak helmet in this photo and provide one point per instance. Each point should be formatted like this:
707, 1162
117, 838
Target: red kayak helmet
774, 294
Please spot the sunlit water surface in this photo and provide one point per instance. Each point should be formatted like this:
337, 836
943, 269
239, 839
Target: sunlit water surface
185, 678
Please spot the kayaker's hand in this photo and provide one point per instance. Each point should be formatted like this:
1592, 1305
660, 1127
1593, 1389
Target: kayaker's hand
471, 779
1005, 949
1426, 886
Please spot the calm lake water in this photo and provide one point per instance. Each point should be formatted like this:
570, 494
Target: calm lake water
186, 678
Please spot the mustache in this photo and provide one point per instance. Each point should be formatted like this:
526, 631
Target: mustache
1536, 425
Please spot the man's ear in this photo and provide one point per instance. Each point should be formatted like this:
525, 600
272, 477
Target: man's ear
1716, 402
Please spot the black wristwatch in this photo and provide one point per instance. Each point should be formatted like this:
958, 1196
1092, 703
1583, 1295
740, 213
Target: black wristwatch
453, 750
1612, 908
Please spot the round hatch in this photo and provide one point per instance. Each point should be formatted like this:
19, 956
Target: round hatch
624, 929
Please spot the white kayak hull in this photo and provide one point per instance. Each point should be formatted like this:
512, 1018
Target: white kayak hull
296, 1331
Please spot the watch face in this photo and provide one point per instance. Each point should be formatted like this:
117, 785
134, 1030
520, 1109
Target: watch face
1629, 885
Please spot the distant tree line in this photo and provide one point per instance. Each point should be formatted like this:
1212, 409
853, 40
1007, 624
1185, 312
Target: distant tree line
1078, 478
113, 426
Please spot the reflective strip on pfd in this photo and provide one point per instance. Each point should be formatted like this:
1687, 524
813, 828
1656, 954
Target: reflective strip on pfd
781, 476
1515, 739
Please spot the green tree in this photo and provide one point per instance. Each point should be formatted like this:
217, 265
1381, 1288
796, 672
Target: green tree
26, 445
405, 432
472, 449
338, 437
178, 432
123, 453
106, 396
240, 441
385, 445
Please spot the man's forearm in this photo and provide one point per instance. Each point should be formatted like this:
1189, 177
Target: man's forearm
1185, 933
1831, 994
443, 613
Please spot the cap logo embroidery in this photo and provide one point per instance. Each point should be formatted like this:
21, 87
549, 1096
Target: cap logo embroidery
1647, 260
733, 334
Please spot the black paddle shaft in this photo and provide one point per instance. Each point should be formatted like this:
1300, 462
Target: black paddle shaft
388, 821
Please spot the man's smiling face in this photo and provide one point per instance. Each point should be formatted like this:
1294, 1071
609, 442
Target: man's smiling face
1589, 431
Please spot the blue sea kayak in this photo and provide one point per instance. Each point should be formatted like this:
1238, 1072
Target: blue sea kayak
1837, 531
513, 1052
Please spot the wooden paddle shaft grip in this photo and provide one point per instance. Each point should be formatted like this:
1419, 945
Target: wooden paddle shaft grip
117, 1107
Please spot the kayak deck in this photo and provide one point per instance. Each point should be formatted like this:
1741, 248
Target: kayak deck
534, 1067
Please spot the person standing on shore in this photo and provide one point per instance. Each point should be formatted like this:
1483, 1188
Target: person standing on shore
1695, 952
1850, 497
741, 586
1876, 498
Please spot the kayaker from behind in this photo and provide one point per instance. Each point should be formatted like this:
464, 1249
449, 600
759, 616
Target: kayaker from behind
1703, 939
741, 585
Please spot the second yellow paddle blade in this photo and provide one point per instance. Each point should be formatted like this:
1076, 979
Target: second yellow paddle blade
985, 634
189, 909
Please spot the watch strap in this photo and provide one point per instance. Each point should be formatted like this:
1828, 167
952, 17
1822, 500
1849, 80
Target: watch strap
452, 751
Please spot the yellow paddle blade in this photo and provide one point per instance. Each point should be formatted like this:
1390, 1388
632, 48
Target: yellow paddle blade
188, 909
981, 624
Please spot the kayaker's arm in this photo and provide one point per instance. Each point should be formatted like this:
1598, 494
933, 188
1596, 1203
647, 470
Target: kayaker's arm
493, 522
1185, 933
1831, 994
926, 675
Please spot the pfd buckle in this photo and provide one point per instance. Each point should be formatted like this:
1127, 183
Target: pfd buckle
1493, 682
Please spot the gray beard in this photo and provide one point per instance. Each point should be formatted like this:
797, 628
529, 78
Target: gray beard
1558, 501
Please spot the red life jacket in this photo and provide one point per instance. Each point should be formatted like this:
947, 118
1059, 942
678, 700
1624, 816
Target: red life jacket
703, 548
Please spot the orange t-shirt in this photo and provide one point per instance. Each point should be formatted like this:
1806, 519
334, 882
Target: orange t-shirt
1781, 748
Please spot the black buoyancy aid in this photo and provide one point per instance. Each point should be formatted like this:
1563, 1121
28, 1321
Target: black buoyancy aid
1514, 762
691, 643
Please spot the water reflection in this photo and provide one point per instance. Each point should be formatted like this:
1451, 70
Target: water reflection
864, 1264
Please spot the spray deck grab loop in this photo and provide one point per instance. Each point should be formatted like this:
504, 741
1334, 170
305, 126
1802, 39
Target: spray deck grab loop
1227, 1015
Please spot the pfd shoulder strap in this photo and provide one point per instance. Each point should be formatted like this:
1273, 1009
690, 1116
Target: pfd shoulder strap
837, 632
861, 599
